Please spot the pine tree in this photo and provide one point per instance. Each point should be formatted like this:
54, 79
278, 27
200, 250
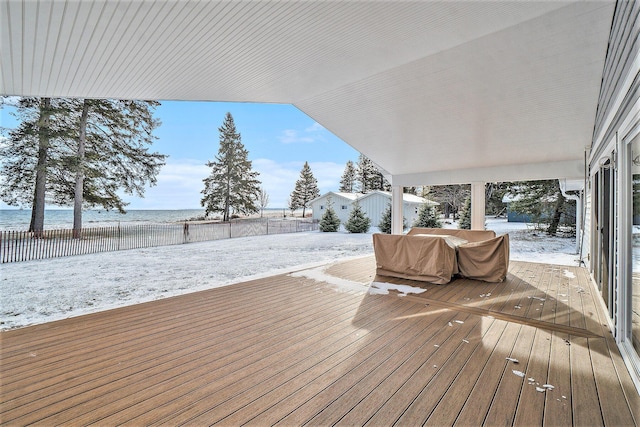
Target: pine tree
427, 217
111, 152
369, 176
329, 221
366, 174
465, 215
232, 185
535, 200
306, 189
27, 156
385, 222
358, 222
380, 182
348, 180
79, 153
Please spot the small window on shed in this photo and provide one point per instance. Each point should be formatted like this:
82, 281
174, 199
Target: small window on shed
344, 207
321, 207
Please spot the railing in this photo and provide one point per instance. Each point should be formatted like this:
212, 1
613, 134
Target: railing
18, 246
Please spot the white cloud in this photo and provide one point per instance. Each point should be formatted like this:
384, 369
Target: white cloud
279, 179
178, 187
180, 182
290, 136
315, 127
309, 135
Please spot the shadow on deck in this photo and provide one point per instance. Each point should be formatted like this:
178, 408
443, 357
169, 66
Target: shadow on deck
315, 347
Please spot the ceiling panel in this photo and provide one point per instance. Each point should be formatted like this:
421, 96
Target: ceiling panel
419, 86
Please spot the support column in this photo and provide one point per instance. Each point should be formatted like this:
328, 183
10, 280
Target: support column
477, 205
578, 222
396, 210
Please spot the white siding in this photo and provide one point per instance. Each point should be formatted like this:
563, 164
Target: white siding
321, 204
411, 212
374, 206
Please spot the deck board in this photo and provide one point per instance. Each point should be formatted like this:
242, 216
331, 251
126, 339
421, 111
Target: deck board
295, 350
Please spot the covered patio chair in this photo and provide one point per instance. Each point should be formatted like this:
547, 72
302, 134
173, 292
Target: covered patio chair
425, 258
486, 260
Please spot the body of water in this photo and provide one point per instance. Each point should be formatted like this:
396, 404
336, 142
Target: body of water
15, 219
56, 219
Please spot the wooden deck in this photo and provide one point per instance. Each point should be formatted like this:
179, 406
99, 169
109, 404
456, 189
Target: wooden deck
298, 350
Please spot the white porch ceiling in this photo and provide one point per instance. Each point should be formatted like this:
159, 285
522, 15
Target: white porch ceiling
432, 91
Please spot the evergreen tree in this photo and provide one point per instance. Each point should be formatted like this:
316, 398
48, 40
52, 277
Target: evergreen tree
542, 200
494, 192
79, 153
380, 182
110, 152
385, 222
348, 180
358, 222
465, 215
232, 185
427, 217
27, 156
410, 190
366, 174
306, 189
369, 176
329, 221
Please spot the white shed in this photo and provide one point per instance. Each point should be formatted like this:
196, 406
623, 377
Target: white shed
341, 203
373, 204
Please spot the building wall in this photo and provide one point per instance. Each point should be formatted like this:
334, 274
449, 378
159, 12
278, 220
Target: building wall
617, 123
619, 68
337, 203
373, 205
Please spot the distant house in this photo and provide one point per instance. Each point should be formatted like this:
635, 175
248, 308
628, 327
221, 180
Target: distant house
373, 204
513, 216
548, 206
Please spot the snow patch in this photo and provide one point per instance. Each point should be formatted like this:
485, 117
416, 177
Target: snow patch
42, 291
381, 288
319, 274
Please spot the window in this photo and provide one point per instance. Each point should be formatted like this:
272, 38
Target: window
344, 207
321, 207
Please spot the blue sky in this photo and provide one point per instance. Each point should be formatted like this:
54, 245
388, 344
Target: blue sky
279, 138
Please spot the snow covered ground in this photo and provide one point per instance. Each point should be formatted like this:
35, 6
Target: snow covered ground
46, 290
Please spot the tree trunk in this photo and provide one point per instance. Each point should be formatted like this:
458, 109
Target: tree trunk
555, 220
37, 209
79, 188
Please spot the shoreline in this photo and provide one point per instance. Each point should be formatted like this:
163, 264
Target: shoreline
62, 219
